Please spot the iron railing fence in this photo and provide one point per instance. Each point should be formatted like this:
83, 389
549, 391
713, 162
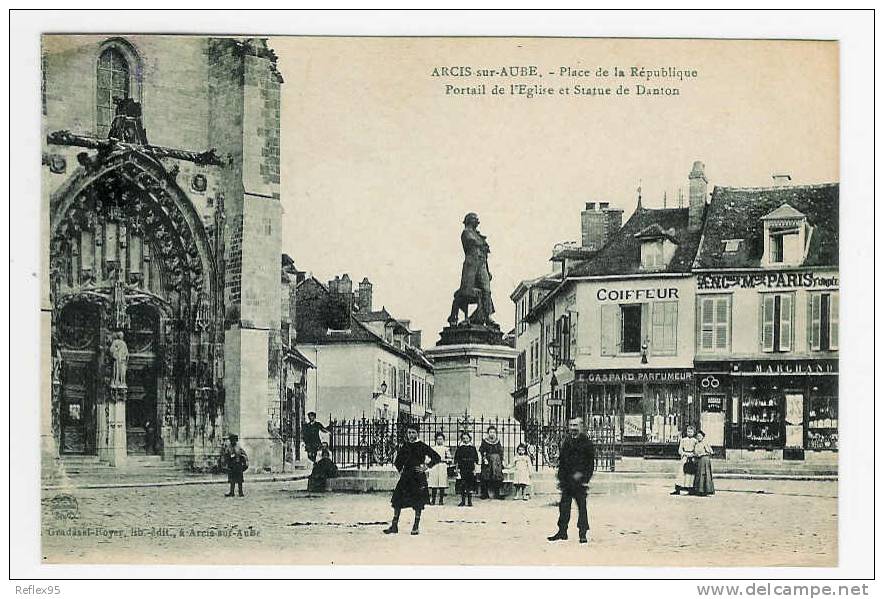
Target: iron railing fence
367, 443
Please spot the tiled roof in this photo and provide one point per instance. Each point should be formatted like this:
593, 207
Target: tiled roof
295, 355
622, 254
376, 316
314, 320
739, 212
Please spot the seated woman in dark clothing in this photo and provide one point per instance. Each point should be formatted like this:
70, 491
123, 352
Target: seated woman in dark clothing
323, 469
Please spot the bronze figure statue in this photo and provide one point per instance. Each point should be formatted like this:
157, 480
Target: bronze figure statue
475, 278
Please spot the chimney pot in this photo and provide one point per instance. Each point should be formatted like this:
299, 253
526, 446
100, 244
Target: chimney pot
604, 205
590, 205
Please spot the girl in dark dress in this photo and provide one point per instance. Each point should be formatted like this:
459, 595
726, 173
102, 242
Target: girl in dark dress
492, 463
465, 458
411, 490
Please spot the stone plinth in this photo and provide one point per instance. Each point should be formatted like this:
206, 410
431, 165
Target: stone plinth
473, 378
466, 333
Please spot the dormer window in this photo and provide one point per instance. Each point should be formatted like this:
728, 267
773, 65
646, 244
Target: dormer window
731, 245
657, 247
652, 254
786, 237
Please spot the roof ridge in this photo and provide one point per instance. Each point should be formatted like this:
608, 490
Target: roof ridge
777, 187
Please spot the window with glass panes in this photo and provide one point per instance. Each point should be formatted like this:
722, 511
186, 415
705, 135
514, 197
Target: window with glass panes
113, 82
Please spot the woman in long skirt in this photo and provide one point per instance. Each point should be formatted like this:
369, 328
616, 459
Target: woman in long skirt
703, 484
411, 490
684, 475
437, 477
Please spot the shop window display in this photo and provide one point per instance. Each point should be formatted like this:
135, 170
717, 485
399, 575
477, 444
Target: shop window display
762, 417
822, 423
667, 419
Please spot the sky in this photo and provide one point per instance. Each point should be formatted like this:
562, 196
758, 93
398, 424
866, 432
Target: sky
379, 165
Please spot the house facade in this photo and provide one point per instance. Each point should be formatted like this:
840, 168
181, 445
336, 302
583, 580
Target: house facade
722, 314
767, 285
367, 363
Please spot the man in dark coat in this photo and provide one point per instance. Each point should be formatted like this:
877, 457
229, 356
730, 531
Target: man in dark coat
235, 461
576, 465
411, 490
312, 441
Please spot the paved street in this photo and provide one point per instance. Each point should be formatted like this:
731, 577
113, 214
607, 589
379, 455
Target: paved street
783, 523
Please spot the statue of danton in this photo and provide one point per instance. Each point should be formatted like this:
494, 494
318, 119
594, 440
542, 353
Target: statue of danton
475, 278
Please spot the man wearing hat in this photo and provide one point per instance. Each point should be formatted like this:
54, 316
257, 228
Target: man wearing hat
235, 461
475, 278
311, 433
411, 490
576, 465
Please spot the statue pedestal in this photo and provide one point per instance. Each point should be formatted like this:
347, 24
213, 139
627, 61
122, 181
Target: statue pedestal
472, 377
471, 334
117, 450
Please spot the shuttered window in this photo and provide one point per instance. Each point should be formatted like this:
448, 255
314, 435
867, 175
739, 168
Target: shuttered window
822, 330
833, 321
714, 329
814, 321
664, 323
776, 322
610, 329
572, 335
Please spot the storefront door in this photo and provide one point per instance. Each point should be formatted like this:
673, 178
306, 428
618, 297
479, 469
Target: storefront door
794, 419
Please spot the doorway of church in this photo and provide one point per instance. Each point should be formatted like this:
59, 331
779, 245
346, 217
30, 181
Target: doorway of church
142, 410
78, 338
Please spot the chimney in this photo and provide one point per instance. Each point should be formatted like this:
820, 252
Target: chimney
781, 179
364, 295
597, 223
346, 285
697, 195
340, 302
416, 339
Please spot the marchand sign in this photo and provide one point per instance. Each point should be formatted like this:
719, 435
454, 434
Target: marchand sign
787, 367
636, 376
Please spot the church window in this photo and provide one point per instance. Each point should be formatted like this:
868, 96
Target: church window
113, 83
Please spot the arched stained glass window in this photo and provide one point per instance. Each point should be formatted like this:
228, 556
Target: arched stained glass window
113, 82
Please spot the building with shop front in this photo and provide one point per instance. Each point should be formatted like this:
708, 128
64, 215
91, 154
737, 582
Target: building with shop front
367, 363
767, 284
161, 199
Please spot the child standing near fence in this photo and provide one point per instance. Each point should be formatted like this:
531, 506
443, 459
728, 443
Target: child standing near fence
521, 472
465, 458
437, 477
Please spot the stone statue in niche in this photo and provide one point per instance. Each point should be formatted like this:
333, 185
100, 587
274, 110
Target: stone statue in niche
119, 353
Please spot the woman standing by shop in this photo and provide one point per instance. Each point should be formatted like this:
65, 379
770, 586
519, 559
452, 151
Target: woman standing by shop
492, 463
687, 466
703, 484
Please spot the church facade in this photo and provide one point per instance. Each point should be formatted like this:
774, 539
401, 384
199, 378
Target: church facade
161, 294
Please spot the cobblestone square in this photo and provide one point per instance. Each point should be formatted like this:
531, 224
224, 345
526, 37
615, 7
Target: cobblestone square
636, 522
